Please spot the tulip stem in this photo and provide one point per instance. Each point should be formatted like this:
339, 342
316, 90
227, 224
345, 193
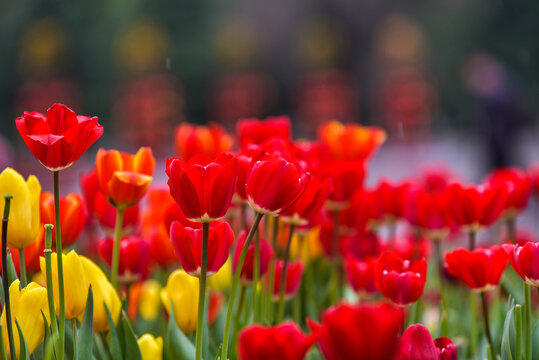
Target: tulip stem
59, 260
202, 290
471, 240
280, 311
256, 277
335, 255
22, 266
528, 321
511, 228
485, 317
50, 295
5, 281
235, 281
116, 248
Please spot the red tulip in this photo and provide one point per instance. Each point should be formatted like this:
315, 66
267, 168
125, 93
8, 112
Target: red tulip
191, 140
294, 272
60, 138
524, 258
480, 269
401, 281
430, 211
134, 257
519, 185
273, 185
416, 344
391, 199
477, 206
203, 188
362, 332
73, 215
254, 131
411, 247
435, 179
347, 177
360, 274
283, 341
308, 205
124, 178
247, 270
446, 348
188, 244
246, 160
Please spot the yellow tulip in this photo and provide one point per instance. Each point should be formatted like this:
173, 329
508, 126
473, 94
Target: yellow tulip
104, 293
151, 348
26, 307
75, 284
23, 226
150, 303
182, 291
220, 281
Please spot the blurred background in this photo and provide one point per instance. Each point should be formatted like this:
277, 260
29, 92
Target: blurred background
453, 82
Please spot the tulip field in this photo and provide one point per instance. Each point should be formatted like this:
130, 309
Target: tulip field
260, 246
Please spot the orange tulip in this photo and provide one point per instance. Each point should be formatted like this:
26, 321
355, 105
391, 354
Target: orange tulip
124, 178
73, 215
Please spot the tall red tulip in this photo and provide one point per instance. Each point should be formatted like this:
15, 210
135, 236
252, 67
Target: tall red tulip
308, 205
191, 140
203, 188
283, 341
273, 185
255, 131
247, 270
58, 139
416, 344
402, 281
188, 243
72, 215
480, 269
294, 273
361, 332
524, 258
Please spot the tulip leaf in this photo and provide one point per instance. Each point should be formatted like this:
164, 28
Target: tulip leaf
11, 272
132, 350
23, 346
181, 348
85, 338
3, 355
115, 346
506, 339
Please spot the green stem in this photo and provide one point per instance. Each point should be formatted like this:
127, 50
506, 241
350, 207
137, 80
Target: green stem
518, 331
528, 321
511, 228
50, 295
116, 249
337, 265
440, 265
473, 325
59, 261
269, 292
256, 276
239, 309
471, 239
486, 319
5, 281
22, 266
74, 330
235, 281
202, 289
280, 311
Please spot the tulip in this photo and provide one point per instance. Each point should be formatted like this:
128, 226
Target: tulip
246, 159
72, 215
294, 273
24, 213
75, 284
416, 344
391, 199
308, 205
104, 294
344, 333
480, 269
247, 270
182, 291
134, 257
347, 177
27, 305
273, 185
360, 274
525, 260
401, 281
254, 131
519, 185
203, 188
60, 138
151, 348
191, 140
284, 341
124, 178
150, 301
221, 280
350, 141
446, 348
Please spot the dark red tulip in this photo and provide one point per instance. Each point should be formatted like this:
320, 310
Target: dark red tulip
360, 274
477, 206
308, 205
203, 188
58, 139
519, 185
73, 214
294, 272
401, 281
247, 270
480, 269
524, 258
283, 341
246, 160
347, 177
361, 332
446, 348
273, 185
255, 131
134, 257
416, 344
188, 243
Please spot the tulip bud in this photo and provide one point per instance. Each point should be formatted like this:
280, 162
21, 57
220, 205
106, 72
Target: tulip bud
182, 292
221, 280
150, 347
149, 304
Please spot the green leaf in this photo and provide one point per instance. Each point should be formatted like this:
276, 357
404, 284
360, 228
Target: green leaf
86, 335
115, 346
11, 272
179, 345
132, 350
3, 355
23, 353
